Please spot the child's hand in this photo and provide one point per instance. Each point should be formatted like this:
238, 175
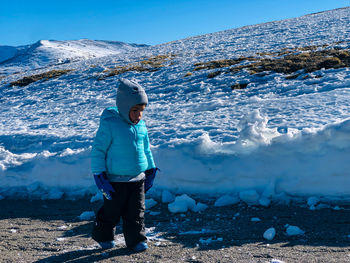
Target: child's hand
104, 185
150, 175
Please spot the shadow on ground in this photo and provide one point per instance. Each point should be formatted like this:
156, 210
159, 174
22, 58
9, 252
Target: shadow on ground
213, 229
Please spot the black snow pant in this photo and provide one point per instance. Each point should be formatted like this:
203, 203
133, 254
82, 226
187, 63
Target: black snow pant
128, 202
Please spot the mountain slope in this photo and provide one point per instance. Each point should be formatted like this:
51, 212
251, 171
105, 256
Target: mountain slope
216, 125
52, 52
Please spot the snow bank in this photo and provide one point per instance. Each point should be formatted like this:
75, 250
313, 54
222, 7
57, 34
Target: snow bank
307, 163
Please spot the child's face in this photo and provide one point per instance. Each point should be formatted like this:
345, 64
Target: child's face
135, 113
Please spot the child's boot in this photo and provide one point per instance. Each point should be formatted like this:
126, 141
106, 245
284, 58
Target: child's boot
107, 244
142, 246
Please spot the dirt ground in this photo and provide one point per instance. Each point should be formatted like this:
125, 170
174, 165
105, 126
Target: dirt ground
50, 231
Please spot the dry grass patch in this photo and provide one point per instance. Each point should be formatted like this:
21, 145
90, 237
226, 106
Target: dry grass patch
214, 74
42, 76
239, 86
307, 61
220, 63
150, 64
288, 61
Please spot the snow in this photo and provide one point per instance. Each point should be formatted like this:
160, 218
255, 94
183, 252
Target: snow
87, 215
249, 197
226, 200
53, 52
207, 241
312, 201
263, 201
97, 197
275, 140
167, 197
294, 231
270, 233
255, 219
7, 52
154, 213
193, 232
199, 207
276, 261
182, 204
149, 203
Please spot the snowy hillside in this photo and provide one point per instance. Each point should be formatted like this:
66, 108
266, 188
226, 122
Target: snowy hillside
260, 111
50, 52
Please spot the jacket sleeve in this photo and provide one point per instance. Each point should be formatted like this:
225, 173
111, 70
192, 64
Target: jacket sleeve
148, 153
100, 147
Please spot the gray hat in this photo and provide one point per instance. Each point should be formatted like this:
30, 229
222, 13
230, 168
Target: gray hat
129, 94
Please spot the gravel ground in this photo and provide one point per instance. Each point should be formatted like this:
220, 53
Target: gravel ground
50, 231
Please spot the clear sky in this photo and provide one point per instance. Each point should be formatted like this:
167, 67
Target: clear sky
141, 21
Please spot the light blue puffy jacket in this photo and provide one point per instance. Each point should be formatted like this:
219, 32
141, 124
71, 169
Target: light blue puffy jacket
121, 148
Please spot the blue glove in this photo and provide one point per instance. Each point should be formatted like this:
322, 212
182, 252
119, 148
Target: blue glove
150, 175
104, 185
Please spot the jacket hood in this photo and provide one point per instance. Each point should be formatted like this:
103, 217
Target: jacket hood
110, 112
129, 94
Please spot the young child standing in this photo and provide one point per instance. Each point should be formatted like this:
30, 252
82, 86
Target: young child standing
121, 161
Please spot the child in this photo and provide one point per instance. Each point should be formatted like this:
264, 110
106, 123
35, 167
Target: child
121, 159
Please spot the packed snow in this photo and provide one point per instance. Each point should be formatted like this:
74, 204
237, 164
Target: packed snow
275, 140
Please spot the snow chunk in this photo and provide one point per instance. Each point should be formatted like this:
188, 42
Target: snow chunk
312, 202
149, 203
294, 231
276, 261
226, 200
269, 190
210, 240
251, 197
263, 201
87, 215
199, 207
255, 219
154, 213
54, 194
167, 197
194, 232
181, 204
97, 197
270, 233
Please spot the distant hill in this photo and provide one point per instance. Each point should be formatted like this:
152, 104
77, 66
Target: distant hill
50, 52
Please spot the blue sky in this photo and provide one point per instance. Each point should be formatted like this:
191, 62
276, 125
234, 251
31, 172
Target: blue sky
141, 21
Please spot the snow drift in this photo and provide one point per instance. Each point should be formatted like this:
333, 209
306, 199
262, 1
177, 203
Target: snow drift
277, 137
